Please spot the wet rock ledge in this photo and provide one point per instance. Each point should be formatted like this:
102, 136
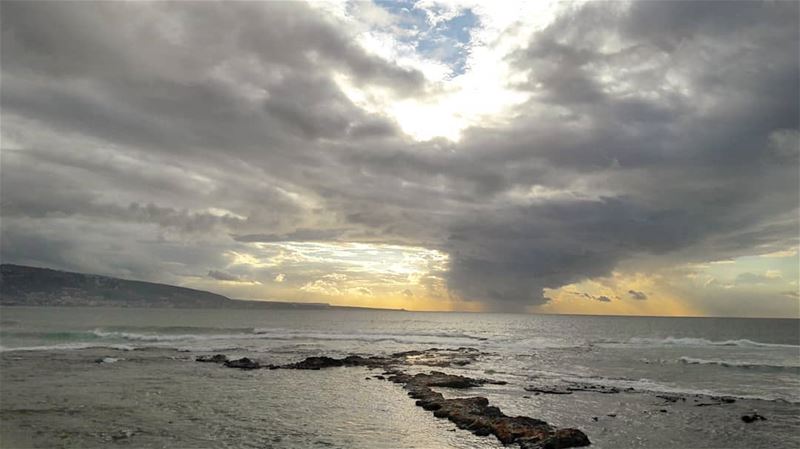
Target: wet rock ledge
474, 413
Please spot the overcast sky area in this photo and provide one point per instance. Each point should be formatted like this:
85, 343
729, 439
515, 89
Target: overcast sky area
605, 158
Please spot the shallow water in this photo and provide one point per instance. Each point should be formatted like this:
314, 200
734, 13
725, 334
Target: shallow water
153, 395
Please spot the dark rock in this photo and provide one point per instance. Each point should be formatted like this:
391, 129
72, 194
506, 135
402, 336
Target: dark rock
476, 415
315, 363
753, 417
671, 398
320, 362
439, 379
593, 388
612, 415
562, 438
547, 390
471, 413
216, 358
243, 363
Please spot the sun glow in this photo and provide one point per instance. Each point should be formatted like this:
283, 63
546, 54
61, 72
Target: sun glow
342, 273
477, 90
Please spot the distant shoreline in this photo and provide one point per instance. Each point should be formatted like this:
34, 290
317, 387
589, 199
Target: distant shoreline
26, 286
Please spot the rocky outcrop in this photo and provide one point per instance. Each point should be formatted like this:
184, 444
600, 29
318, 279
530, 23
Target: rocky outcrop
753, 417
216, 358
243, 363
315, 363
479, 417
474, 414
547, 390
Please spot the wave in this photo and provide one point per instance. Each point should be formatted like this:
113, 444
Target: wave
367, 336
741, 364
653, 387
544, 343
68, 347
99, 337
690, 341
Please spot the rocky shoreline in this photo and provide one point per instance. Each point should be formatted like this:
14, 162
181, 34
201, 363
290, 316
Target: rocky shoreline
474, 414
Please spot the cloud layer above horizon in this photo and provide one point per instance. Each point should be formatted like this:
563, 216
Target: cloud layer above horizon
568, 157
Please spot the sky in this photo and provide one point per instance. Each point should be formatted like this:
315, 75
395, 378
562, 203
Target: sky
568, 157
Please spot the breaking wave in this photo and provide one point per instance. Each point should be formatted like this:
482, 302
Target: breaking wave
741, 364
68, 347
104, 338
689, 341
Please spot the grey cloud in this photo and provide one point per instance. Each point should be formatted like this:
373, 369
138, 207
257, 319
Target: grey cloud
674, 172
755, 278
224, 276
641, 296
601, 298
132, 121
298, 235
111, 39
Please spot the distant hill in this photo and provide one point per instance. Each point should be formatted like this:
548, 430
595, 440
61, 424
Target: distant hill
31, 286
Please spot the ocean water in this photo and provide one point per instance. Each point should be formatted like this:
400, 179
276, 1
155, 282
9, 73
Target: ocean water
755, 361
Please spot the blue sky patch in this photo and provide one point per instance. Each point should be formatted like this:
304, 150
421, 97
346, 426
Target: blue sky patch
447, 41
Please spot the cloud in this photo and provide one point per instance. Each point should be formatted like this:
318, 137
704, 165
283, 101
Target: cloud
600, 298
641, 296
223, 276
299, 235
140, 141
755, 278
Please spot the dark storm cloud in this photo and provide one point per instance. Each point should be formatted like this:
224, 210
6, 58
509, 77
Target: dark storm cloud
300, 235
601, 298
681, 148
225, 276
148, 139
641, 296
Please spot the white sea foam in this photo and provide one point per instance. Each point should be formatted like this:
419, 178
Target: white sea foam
283, 334
652, 386
68, 347
750, 364
689, 341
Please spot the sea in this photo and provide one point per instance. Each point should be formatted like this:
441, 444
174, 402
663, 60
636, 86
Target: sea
107, 377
